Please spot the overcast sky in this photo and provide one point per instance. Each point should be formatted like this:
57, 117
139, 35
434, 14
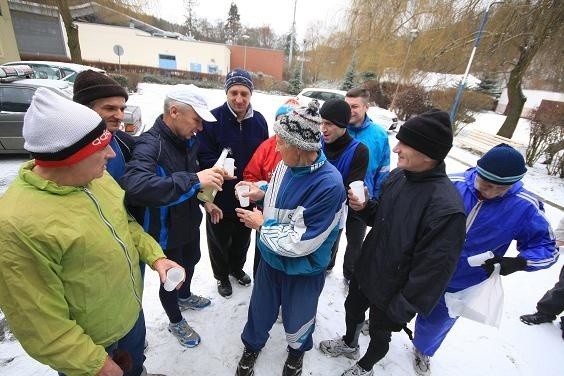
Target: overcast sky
275, 13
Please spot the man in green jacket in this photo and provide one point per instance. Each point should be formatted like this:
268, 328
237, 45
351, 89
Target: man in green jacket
70, 284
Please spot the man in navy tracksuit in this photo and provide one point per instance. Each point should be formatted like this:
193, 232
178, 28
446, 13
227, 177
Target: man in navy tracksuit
241, 129
499, 211
164, 177
347, 154
302, 209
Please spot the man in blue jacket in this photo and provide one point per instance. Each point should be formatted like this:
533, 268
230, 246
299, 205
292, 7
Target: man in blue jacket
375, 137
241, 129
499, 210
107, 97
303, 206
164, 177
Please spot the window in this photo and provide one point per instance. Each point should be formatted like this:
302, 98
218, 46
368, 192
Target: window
15, 99
195, 67
167, 61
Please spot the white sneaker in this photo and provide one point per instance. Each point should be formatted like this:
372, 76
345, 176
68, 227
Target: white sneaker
357, 370
338, 347
421, 363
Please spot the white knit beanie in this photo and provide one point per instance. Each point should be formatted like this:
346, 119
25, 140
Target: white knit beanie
60, 132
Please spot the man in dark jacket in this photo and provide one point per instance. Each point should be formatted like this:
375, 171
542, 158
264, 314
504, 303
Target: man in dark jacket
407, 259
107, 97
242, 130
348, 155
163, 176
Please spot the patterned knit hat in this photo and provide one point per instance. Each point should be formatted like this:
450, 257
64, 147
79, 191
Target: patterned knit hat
301, 128
429, 133
90, 85
238, 76
501, 165
59, 132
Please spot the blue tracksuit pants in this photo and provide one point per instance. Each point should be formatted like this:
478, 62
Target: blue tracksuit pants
296, 294
430, 331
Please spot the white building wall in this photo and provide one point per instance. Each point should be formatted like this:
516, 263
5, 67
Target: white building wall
140, 48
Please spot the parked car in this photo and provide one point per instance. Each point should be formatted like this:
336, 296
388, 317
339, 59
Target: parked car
16, 92
55, 70
380, 116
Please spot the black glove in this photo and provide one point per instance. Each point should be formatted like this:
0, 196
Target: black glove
508, 264
384, 322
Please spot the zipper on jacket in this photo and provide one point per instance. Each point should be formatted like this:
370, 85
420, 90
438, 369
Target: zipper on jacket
473, 214
120, 242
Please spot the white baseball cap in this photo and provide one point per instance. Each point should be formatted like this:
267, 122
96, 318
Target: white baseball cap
191, 95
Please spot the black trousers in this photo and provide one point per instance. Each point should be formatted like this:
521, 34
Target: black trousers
355, 232
228, 243
552, 302
186, 256
356, 305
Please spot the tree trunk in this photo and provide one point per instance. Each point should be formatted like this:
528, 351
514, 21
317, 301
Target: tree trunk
516, 101
546, 21
72, 32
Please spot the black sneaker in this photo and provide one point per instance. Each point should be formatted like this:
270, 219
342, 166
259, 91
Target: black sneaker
537, 318
246, 366
224, 288
293, 365
242, 277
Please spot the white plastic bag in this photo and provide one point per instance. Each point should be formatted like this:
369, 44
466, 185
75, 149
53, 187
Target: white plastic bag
482, 302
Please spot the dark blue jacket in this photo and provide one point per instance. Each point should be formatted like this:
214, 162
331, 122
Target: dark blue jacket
162, 177
243, 138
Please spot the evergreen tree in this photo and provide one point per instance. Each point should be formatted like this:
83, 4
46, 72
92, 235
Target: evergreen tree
296, 84
349, 79
367, 76
233, 24
490, 85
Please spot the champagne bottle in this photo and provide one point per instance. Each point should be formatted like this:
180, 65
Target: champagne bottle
208, 194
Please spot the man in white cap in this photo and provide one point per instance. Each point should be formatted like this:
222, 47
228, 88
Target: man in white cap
164, 177
70, 283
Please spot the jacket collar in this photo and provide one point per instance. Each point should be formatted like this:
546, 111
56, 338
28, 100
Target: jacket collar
304, 170
168, 133
33, 179
248, 114
438, 171
365, 124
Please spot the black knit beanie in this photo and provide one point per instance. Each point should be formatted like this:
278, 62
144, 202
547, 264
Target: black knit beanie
90, 85
429, 133
337, 111
502, 165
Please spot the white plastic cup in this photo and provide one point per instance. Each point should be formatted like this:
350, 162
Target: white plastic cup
173, 277
357, 187
243, 201
229, 166
479, 259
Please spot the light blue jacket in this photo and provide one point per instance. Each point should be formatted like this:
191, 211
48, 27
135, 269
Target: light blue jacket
376, 139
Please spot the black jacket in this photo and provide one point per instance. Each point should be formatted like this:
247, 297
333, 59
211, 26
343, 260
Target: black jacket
418, 230
162, 177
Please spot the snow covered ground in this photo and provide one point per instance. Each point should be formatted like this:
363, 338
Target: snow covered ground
470, 349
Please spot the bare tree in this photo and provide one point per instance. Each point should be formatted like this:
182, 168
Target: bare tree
542, 20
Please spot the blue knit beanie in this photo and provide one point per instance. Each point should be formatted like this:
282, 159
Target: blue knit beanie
501, 165
285, 109
238, 76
